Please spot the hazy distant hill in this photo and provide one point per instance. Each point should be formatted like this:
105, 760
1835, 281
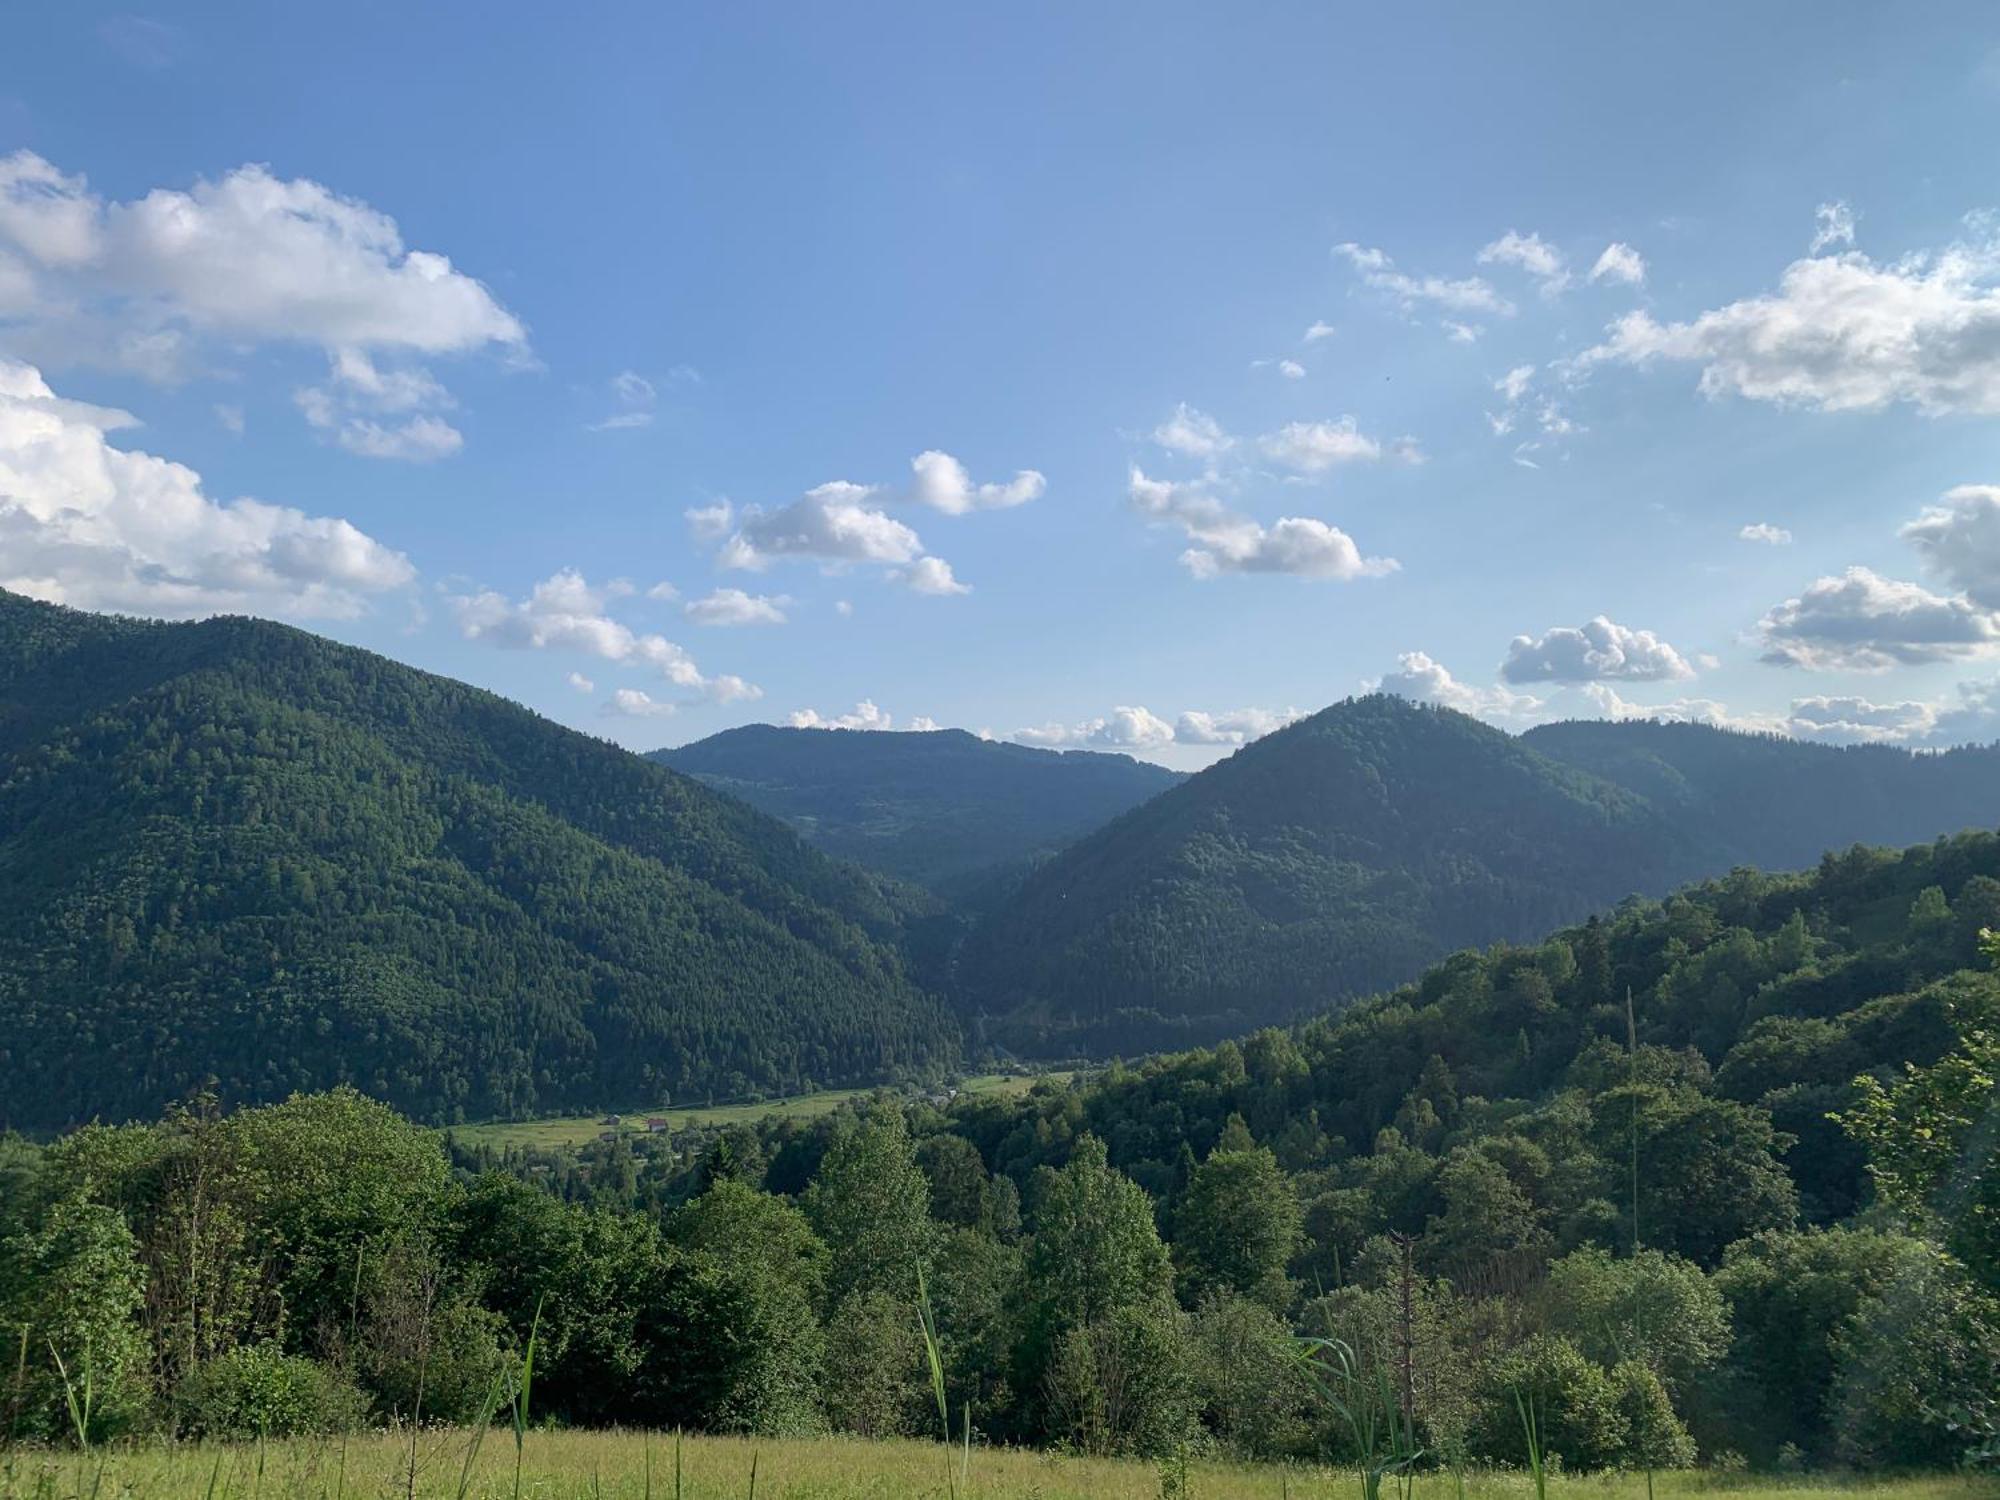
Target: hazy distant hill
1780, 803
931, 807
1337, 856
233, 849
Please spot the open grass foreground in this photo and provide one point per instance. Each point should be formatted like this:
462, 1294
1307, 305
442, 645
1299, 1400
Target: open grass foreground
632, 1465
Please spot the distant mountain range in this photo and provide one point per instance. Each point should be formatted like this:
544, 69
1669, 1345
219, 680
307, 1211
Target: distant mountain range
235, 851
940, 808
1337, 856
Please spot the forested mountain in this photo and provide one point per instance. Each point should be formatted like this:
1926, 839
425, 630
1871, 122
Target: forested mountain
235, 850
930, 807
1778, 803
1340, 854
1331, 858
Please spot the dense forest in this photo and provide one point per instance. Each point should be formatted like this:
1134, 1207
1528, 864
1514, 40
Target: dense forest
234, 851
1714, 1176
1338, 855
940, 808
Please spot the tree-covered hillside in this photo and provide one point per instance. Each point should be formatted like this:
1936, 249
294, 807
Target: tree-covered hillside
1339, 855
931, 807
233, 850
1331, 858
1777, 803
1754, 1211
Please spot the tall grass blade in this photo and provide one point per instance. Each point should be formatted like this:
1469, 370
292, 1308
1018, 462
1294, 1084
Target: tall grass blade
495, 1395
524, 1394
1531, 1429
79, 1408
934, 1354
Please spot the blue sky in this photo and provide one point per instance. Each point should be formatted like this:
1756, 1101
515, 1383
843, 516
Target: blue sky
1112, 376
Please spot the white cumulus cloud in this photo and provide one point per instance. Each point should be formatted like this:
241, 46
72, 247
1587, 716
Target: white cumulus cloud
565, 612
1765, 532
632, 399
163, 284
1833, 225
1225, 541
837, 525
1959, 541
1314, 447
636, 703
735, 607
1864, 622
1598, 651
1843, 333
1192, 432
1124, 728
1423, 679
351, 406
942, 483
930, 575
832, 522
1532, 254
865, 715
247, 256
1236, 726
86, 523
1620, 263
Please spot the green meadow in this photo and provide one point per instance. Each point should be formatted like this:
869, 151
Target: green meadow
578, 1130
624, 1465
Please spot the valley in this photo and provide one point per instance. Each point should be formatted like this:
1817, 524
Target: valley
1388, 1042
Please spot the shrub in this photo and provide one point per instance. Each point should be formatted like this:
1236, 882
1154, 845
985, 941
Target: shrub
1654, 1308
1122, 1384
258, 1390
1248, 1377
70, 1295
1655, 1436
1576, 1407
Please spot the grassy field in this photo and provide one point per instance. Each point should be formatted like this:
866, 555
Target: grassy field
614, 1465
579, 1130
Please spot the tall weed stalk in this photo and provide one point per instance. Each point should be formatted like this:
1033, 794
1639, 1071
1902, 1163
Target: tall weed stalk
1384, 1434
934, 1353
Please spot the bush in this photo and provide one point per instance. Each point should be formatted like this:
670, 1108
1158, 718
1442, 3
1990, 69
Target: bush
1650, 1307
76, 1282
258, 1390
1123, 1384
1655, 1436
1248, 1378
1918, 1383
1576, 1407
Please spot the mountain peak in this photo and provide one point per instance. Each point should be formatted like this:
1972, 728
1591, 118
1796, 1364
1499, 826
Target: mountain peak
937, 807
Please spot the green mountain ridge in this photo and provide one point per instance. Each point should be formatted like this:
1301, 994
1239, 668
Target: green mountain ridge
237, 851
1337, 856
1780, 803
940, 808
